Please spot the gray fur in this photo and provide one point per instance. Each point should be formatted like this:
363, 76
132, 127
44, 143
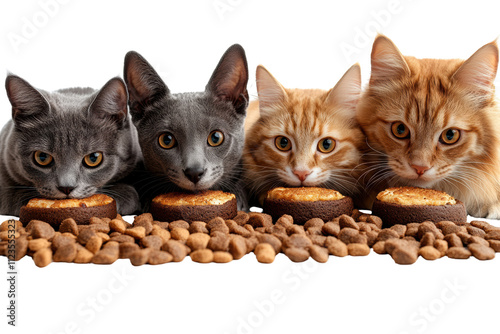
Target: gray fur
68, 124
190, 117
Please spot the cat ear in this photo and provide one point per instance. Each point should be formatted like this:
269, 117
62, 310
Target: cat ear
478, 72
143, 83
111, 101
229, 79
387, 62
270, 91
27, 102
347, 91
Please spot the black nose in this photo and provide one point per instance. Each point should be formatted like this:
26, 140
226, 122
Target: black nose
65, 190
194, 174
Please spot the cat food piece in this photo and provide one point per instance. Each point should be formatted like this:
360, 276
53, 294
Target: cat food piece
202, 255
108, 254
379, 247
126, 249
152, 241
197, 241
40, 229
65, 253
478, 240
202, 206
180, 234
298, 241
399, 229
331, 228
481, 252
306, 203
140, 257
276, 242
21, 247
372, 219
222, 257
137, 232
122, 238
69, 225
318, 253
358, 249
427, 239
346, 221
428, 226
257, 219
241, 218
55, 211
495, 245
178, 223
315, 222
42, 257
219, 242
412, 230
5, 226
238, 247
285, 221
458, 253
429, 253
177, 249
297, 254
405, 255
145, 220
238, 229
406, 205
295, 229
161, 232
336, 247
198, 227
159, 257
251, 242
441, 246
348, 234
453, 240
83, 255
318, 240
493, 235
37, 244
217, 224
94, 244
117, 225
476, 231
264, 253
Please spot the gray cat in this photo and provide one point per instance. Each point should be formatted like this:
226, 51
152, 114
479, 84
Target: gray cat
190, 141
70, 143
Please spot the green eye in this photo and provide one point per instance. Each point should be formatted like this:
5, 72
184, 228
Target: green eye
167, 140
400, 130
326, 145
283, 143
215, 138
43, 159
93, 159
450, 136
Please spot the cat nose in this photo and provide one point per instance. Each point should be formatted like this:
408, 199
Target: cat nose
420, 169
65, 190
194, 174
301, 174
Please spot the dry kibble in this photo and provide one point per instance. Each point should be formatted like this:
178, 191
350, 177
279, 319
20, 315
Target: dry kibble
177, 249
412, 229
238, 247
493, 235
285, 221
100, 227
122, 238
137, 232
404, 255
347, 234
276, 243
94, 244
197, 241
429, 253
222, 257
318, 253
140, 257
331, 228
481, 252
127, 249
495, 245
163, 225
60, 240
105, 237
117, 225
161, 232
474, 231
219, 241
108, 254
238, 229
371, 238
478, 240
315, 222
387, 234
40, 229
37, 244
314, 231
69, 225
85, 234
346, 221
5, 226
202, 255
374, 220
297, 254
159, 257
453, 240
95, 220
198, 227
441, 246
65, 253
359, 238
336, 247
42, 257
379, 247
217, 225
259, 220
251, 242
318, 240
428, 239
21, 247
146, 221
264, 253
480, 224
83, 255
298, 241
358, 249
5, 236
458, 253
295, 229
152, 241
451, 227
399, 229
179, 223
178, 233
241, 218
429, 227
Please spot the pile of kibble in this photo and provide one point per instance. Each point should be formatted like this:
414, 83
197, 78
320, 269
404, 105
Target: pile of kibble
146, 241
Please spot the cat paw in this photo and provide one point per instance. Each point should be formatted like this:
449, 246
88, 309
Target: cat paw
127, 199
493, 211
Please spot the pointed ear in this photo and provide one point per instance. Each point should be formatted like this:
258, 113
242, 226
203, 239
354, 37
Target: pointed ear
143, 83
229, 80
111, 102
27, 102
347, 91
477, 73
387, 62
270, 91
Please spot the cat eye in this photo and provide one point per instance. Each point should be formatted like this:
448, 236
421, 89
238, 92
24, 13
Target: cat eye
326, 145
93, 159
167, 140
450, 136
215, 138
43, 159
283, 143
400, 131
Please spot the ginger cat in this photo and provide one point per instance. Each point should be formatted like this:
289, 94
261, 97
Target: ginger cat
434, 123
303, 137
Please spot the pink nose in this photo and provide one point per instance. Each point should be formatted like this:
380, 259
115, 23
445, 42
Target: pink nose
420, 169
301, 174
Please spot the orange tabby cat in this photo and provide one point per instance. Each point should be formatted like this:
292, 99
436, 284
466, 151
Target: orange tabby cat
303, 137
434, 123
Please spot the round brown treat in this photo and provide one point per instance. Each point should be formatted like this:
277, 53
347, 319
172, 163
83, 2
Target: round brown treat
306, 203
202, 206
406, 205
81, 210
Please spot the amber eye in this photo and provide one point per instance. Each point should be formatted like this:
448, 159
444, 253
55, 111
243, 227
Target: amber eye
43, 159
167, 140
450, 136
215, 138
400, 131
283, 143
93, 159
326, 145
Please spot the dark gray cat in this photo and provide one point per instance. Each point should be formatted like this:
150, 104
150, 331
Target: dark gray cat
190, 141
70, 143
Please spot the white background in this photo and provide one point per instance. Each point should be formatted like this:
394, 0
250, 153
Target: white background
82, 43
